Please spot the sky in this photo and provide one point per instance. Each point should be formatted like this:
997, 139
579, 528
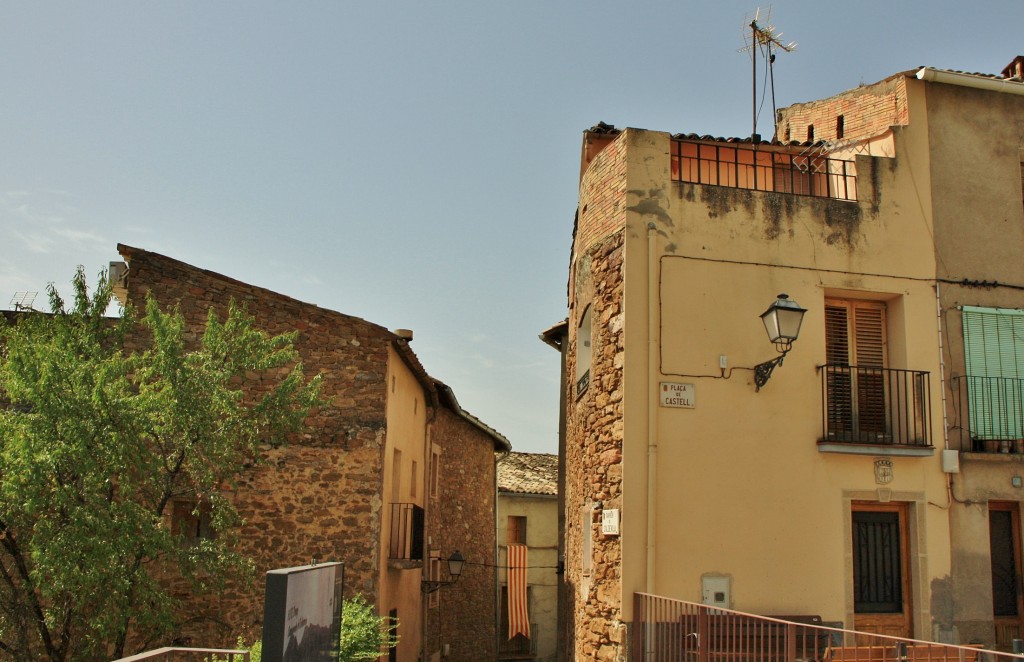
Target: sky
412, 163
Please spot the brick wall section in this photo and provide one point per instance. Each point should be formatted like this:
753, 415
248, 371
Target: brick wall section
319, 496
462, 517
867, 112
602, 194
593, 456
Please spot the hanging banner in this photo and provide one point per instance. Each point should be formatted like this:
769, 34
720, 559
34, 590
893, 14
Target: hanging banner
518, 616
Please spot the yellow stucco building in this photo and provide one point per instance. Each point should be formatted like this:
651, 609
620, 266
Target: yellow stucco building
871, 480
528, 515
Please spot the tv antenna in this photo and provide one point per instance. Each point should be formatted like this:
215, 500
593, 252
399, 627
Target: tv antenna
761, 40
23, 300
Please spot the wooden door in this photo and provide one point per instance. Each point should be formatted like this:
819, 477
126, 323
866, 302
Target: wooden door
881, 569
1004, 548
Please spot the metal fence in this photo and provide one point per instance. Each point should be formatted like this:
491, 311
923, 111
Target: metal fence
666, 630
189, 655
743, 166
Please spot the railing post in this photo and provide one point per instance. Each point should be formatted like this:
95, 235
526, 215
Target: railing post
703, 635
790, 642
638, 628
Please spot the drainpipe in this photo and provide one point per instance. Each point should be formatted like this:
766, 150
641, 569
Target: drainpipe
652, 401
942, 370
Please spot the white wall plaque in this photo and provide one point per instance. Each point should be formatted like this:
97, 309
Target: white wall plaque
678, 395
610, 521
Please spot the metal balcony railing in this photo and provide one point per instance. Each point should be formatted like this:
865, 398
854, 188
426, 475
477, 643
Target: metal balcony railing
743, 166
406, 532
990, 413
518, 647
869, 405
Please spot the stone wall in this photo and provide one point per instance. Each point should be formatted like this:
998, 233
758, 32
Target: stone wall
462, 517
319, 496
593, 462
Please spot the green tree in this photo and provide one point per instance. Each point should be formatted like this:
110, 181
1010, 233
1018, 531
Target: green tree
364, 634
98, 440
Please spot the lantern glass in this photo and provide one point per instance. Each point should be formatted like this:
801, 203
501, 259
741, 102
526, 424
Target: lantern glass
782, 320
455, 563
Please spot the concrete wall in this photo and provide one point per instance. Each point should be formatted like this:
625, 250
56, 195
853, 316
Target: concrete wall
975, 142
542, 539
405, 469
737, 485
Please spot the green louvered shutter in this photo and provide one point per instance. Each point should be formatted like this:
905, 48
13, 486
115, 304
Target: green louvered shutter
994, 357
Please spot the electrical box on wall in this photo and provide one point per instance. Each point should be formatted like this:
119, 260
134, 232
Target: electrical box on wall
951, 461
610, 521
716, 591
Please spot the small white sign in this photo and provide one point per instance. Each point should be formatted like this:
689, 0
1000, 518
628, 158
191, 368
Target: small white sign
610, 522
678, 395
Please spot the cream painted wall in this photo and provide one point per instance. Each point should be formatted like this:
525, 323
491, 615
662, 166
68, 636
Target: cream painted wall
740, 486
975, 145
541, 514
406, 431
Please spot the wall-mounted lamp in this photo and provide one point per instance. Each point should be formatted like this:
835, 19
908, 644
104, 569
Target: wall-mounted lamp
782, 322
455, 564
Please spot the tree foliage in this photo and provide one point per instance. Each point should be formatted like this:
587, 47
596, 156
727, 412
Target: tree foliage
364, 634
97, 441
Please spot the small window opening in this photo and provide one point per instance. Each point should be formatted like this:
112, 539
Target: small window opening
810, 133
516, 532
583, 354
839, 126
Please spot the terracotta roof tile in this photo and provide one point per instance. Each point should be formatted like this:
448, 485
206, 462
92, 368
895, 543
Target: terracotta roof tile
528, 473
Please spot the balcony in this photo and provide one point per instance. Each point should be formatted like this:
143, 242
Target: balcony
518, 647
991, 414
876, 408
743, 166
406, 540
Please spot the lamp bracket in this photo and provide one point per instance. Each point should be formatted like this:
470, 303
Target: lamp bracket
427, 586
763, 371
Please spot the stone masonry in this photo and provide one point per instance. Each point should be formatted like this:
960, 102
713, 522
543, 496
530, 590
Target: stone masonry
594, 454
320, 495
463, 515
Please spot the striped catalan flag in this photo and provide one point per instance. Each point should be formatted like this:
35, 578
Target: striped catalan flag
518, 616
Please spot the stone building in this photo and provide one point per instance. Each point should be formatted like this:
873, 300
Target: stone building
528, 515
389, 473
873, 479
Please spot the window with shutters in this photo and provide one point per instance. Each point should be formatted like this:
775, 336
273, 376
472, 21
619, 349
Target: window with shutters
865, 400
994, 363
855, 351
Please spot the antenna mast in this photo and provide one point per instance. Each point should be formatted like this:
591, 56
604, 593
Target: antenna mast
762, 40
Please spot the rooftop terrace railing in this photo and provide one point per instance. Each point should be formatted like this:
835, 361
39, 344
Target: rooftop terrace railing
746, 167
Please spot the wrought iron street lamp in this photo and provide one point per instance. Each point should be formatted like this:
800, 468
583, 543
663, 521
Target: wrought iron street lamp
782, 322
455, 565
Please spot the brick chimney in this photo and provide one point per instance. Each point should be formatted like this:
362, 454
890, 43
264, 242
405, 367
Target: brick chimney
1015, 69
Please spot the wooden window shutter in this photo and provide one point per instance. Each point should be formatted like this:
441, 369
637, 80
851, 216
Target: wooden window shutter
855, 349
